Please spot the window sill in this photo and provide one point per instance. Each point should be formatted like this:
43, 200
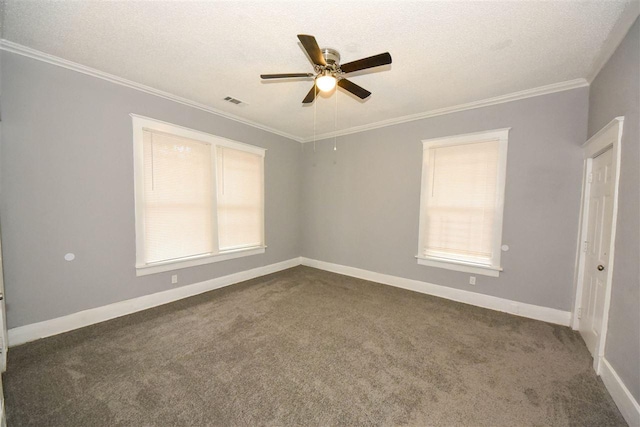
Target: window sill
159, 267
467, 267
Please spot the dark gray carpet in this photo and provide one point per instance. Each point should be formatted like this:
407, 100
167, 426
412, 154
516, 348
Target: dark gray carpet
307, 347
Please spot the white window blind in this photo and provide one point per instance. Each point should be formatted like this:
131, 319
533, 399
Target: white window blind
240, 193
178, 197
463, 187
199, 197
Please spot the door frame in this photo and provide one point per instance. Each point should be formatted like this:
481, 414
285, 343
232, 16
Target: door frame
609, 137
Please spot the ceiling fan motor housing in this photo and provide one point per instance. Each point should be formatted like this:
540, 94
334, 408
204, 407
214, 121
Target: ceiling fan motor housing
332, 56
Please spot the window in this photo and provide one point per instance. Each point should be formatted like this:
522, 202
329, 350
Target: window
199, 198
462, 202
239, 199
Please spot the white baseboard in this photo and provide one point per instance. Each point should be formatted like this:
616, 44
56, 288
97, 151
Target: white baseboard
531, 311
47, 328
628, 406
34, 331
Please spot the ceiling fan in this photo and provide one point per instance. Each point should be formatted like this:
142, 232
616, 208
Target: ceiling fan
329, 72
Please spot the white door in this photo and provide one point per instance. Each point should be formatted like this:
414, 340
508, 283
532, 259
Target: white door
597, 244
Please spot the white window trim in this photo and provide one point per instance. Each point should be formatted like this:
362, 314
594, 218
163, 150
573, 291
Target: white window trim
455, 265
502, 135
159, 267
143, 269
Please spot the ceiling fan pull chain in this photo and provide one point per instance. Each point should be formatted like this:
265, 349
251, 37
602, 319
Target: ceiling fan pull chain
315, 90
335, 124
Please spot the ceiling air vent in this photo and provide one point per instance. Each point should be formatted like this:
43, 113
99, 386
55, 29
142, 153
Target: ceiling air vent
233, 100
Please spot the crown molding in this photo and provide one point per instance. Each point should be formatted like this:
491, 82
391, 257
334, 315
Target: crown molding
54, 60
528, 93
19, 49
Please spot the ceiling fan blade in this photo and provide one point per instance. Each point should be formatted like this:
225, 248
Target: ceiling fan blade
285, 76
353, 88
364, 63
311, 46
310, 96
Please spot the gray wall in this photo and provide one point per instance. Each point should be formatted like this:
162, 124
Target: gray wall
67, 175
616, 92
361, 202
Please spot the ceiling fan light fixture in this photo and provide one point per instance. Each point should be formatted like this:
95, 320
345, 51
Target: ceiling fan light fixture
328, 70
326, 82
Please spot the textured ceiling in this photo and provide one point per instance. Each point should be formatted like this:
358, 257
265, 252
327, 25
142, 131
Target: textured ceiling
444, 53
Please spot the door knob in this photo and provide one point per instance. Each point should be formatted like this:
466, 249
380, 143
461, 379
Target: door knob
600, 267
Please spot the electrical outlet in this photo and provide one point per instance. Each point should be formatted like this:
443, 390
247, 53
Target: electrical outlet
174, 279
472, 280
